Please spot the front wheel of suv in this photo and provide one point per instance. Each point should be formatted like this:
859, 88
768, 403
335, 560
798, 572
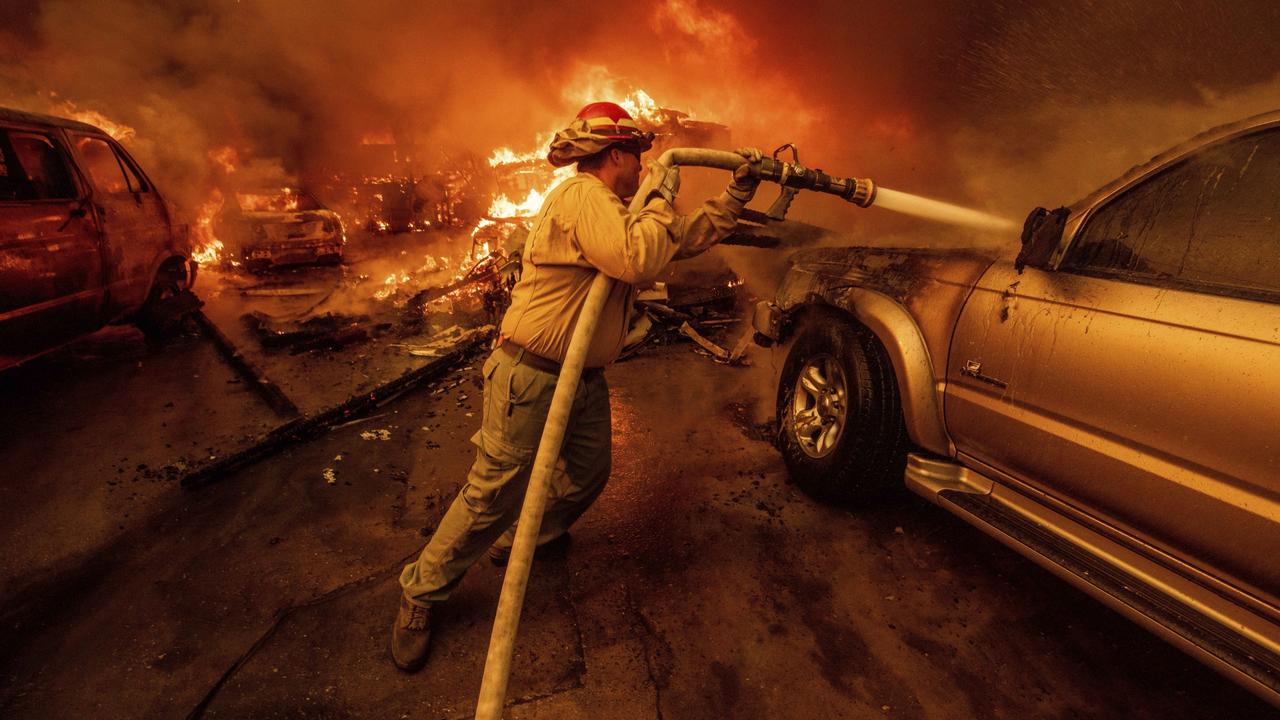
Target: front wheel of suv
841, 430
167, 306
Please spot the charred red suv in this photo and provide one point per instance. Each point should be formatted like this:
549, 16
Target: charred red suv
85, 238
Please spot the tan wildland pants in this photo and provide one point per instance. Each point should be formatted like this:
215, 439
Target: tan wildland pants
516, 400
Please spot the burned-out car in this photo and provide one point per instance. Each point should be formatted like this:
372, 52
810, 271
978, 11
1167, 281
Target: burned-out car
267, 227
1106, 400
85, 238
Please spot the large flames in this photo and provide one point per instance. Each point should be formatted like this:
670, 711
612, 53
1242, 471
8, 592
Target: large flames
206, 248
118, 131
530, 169
524, 181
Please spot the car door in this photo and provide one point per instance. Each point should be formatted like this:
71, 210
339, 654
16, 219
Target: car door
1140, 381
133, 219
51, 269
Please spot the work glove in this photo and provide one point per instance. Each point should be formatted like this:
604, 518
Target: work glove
745, 182
664, 180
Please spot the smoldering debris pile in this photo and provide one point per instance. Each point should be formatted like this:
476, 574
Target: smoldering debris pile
392, 297
330, 331
706, 313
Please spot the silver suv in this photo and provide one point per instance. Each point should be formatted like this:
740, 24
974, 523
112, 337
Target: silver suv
1106, 400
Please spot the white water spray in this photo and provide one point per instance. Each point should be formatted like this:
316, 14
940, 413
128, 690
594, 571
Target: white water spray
938, 210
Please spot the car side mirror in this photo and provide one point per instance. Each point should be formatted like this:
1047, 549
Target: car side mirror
1040, 237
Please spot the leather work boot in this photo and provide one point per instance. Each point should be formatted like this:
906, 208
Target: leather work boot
553, 548
410, 636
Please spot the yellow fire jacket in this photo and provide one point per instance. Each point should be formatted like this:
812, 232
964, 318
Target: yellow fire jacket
583, 227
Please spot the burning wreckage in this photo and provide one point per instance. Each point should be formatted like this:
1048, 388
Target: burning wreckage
270, 227
436, 296
423, 308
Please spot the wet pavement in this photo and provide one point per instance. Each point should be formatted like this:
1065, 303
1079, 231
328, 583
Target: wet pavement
701, 585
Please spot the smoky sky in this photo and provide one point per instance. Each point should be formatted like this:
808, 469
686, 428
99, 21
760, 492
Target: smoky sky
997, 104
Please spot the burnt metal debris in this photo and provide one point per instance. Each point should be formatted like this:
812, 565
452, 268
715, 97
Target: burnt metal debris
330, 331
257, 379
308, 427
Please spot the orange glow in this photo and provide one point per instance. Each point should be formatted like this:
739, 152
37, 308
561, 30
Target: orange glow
713, 28
226, 158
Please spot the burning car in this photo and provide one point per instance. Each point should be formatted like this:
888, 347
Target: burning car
85, 238
1103, 401
268, 227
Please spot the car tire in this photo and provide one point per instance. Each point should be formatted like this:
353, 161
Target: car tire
840, 425
165, 313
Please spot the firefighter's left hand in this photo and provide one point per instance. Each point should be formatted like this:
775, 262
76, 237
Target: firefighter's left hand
664, 179
745, 181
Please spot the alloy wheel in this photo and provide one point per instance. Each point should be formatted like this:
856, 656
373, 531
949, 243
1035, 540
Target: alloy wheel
819, 405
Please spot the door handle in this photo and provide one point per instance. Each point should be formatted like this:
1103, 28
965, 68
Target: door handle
76, 212
973, 368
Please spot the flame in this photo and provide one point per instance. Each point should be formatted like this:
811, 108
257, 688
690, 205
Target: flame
208, 248
641, 107
504, 207
507, 156
390, 285
118, 131
597, 83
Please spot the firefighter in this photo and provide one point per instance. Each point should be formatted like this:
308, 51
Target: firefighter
583, 227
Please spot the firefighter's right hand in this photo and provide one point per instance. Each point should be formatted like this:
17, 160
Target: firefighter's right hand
664, 179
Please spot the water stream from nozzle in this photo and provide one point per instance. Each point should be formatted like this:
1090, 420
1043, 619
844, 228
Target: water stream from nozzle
938, 210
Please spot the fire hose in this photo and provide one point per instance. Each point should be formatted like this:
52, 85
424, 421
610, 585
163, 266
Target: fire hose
497, 668
792, 176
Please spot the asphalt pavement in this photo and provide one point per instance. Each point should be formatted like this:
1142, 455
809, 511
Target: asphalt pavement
701, 585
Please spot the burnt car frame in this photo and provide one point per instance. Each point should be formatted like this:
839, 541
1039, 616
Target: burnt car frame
85, 237
263, 228
1102, 400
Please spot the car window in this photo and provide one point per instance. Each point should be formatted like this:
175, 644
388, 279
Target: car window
12, 181
33, 169
131, 174
1210, 223
102, 164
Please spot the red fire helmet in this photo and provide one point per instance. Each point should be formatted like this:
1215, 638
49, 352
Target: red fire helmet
610, 120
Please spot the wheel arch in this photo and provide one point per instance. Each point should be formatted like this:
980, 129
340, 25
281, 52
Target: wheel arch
174, 263
897, 332
183, 267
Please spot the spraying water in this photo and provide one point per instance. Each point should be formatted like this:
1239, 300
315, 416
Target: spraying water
938, 210
859, 191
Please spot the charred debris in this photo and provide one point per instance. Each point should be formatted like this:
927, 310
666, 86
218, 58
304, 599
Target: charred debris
425, 273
